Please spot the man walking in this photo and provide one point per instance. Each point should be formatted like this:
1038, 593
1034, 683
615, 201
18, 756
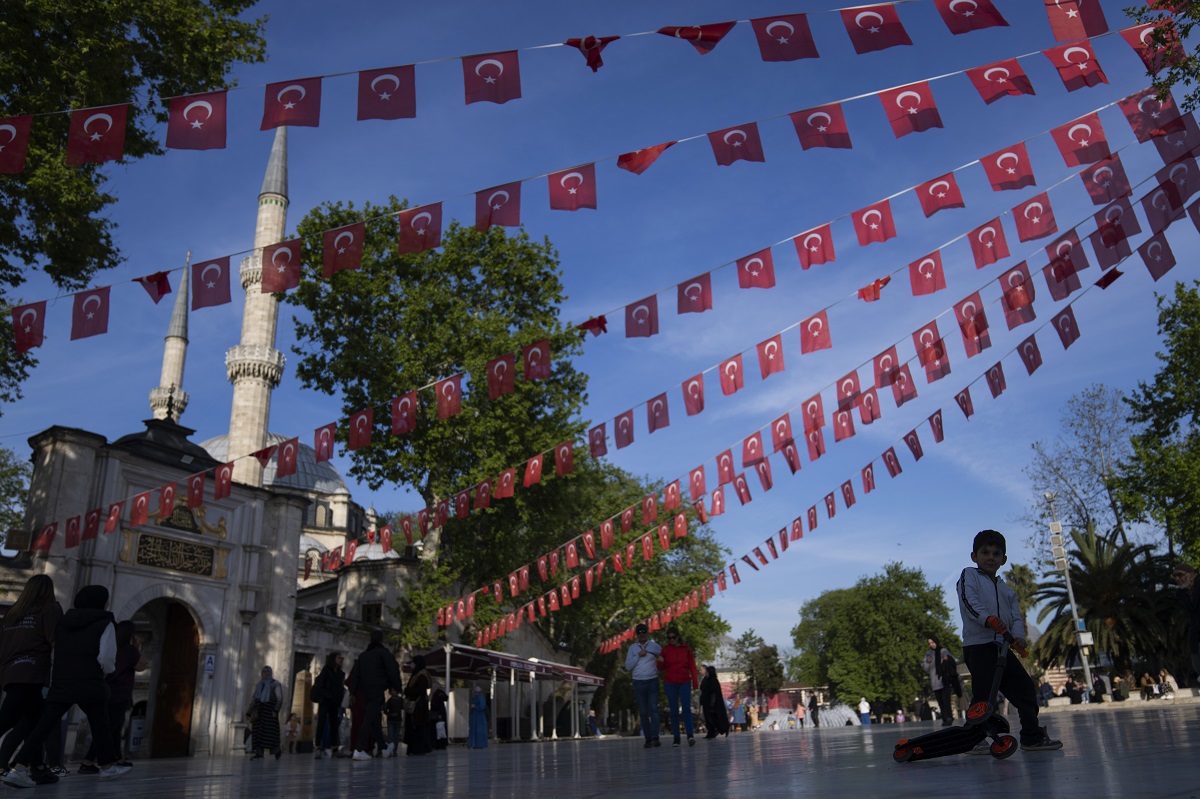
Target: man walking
374, 672
642, 660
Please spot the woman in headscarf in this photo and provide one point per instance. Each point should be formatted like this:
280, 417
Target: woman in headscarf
712, 704
418, 727
934, 665
264, 708
478, 736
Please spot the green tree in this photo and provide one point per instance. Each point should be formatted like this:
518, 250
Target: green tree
869, 640
14, 490
1119, 597
1022, 580
1174, 21
746, 644
84, 53
766, 671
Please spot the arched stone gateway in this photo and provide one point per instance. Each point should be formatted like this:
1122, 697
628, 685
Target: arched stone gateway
174, 707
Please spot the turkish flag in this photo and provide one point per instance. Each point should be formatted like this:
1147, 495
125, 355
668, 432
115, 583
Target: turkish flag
166, 500
874, 223
742, 489
995, 379
903, 388
1035, 218
1031, 356
1076, 64
935, 425
1148, 116
501, 373
873, 290
814, 413
499, 205
937, 361
910, 109
657, 414
702, 37
822, 126
1114, 225
281, 266
741, 143
492, 77
647, 547
72, 533
420, 228
770, 355
874, 28
15, 144
671, 497
697, 486
695, 295
843, 425
1066, 249
533, 471
29, 323
963, 398
732, 377
564, 458
868, 479
1061, 279
892, 462
752, 449
536, 360
973, 323
1155, 57
1081, 141
680, 525
91, 523
848, 494
591, 47
641, 318
886, 364
649, 510
756, 271
288, 452
718, 501
1157, 256
784, 38
1177, 138
89, 314
195, 490
781, 432
964, 16
1001, 79
914, 444
791, 456
449, 396
45, 539
626, 520
210, 283
928, 344
1017, 296
96, 135
197, 122
1162, 206
693, 395
342, 249
361, 426
482, 495
639, 161
1184, 174
572, 189
389, 93
1009, 169
1065, 325
406, 528
403, 413
598, 441
815, 246
223, 481
812, 518
1106, 181
1075, 19
988, 243
441, 513
623, 429
725, 467
295, 103
816, 443
926, 274
939, 194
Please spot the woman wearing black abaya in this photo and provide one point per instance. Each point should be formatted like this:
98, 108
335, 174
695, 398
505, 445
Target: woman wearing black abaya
418, 727
712, 703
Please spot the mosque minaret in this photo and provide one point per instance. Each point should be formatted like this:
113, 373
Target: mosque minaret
169, 400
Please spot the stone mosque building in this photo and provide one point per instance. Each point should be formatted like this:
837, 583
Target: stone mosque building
218, 591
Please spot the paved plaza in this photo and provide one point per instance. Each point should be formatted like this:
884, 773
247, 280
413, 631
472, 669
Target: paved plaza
1143, 750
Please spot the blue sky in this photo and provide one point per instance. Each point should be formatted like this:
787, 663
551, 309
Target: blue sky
682, 217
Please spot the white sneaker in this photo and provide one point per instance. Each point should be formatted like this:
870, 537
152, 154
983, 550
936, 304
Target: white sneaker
19, 777
113, 771
984, 747
360, 755
387, 750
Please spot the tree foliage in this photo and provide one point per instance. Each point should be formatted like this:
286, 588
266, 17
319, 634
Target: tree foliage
1174, 20
84, 53
869, 640
14, 490
766, 671
746, 644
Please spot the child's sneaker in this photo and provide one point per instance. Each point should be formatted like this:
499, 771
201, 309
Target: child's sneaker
1041, 743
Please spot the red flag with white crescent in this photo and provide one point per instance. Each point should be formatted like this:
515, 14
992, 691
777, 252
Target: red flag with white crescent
623, 429
572, 189
72, 533
926, 274
1009, 169
1075, 19
641, 318
533, 471
988, 243
935, 425
482, 495
89, 313
294, 103
892, 462
693, 394
195, 490
342, 249
903, 388
868, 478
1150, 117
740, 143
939, 194
492, 77
697, 485
1157, 255
598, 441
874, 223
822, 126
449, 396
781, 432
718, 501
362, 424
45, 539
695, 295
752, 449
1081, 141
731, 374
97, 135
323, 438
1017, 296
1065, 325
591, 47
914, 444
29, 324
156, 284
639, 161
288, 453
995, 379
1035, 218
1106, 180
702, 37
564, 458
499, 205
756, 271
843, 425
1004, 78
223, 481
166, 500
1076, 63
536, 360
963, 398
814, 333
910, 109
1156, 57
873, 28
973, 323
281, 266
389, 93
91, 523
197, 122
787, 37
815, 246
1030, 354
657, 413
420, 228
672, 499
964, 16
770, 356
14, 147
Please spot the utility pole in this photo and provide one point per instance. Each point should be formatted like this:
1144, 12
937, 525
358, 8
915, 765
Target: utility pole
1082, 636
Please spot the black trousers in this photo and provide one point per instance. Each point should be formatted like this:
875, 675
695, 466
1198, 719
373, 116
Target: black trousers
1016, 685
52, 713
329, 737
370, 729
943, 700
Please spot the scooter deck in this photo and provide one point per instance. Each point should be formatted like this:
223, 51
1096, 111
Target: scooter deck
944, 742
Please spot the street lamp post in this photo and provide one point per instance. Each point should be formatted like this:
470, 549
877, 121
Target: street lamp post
1082, 636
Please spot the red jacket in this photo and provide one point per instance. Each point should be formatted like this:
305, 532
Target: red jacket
679, 665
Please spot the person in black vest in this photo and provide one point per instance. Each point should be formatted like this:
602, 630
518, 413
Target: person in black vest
85, 649
120, 693
374, 672
328, 691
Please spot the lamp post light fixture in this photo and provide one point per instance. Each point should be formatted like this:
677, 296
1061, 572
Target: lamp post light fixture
1082, 636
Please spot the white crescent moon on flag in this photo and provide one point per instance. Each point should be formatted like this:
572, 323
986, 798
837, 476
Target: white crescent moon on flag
207, 106
563, 180
1142, 102
656, 406
954, 3
780, 23
288, 449
1160, 195
1028, 348
885, 364
496, 194
902, 95
448, 391
291, 87
204, 271
943, 183
563, 452
815, 323
968, 311
687, 291
731, 368
988, 74
924, 333
105, 118
338, 240
815, 115
679, 32
1059, 249
1016, 279
423, 216
694, 388
87, 302
1103, 171
740, 483
1178, 169
623, 423
10, 130
812, 410
758, 261
325, 435
27, 312
932, 267
725, 138
1004, 156
770, 349
1146, 33
535, 356
641, 319
873, 212
281, 251
858, 20
727, 459
1035, 204
781, 427
1114, 218
500, 368
847, 387
488, 61
1081, 126
386, 76
810, 237
1064, 323
1087, 56
360, 422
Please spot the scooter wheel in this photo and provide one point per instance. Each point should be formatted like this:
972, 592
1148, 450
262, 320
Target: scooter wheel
979, 712
1004, 746
903, 753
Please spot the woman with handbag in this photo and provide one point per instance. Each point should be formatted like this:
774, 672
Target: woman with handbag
418, 728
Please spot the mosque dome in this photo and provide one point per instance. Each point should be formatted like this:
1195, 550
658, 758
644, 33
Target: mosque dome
310, 476
374, 552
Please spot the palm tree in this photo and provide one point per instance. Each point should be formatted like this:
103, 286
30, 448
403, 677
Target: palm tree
1117, 595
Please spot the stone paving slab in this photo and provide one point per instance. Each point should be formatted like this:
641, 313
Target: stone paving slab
1145, 751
